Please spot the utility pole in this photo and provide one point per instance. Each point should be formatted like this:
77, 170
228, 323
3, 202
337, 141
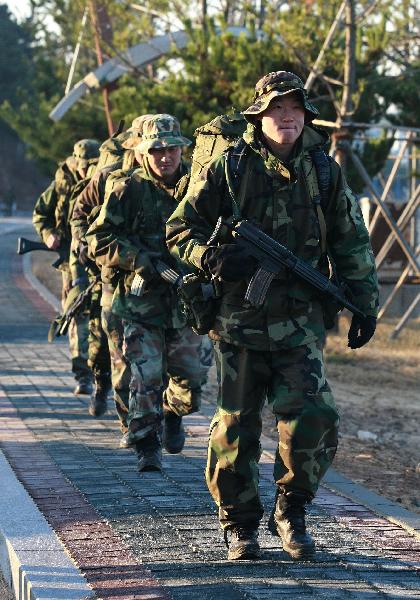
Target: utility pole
102, 30
343, 135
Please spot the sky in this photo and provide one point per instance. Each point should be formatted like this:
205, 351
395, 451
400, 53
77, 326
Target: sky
19, 8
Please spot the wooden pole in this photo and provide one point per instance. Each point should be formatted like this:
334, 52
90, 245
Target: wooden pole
98, 18
342, 137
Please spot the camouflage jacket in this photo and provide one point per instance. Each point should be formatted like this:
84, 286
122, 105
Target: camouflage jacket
133, 218
50, 214
278, 200
89, 201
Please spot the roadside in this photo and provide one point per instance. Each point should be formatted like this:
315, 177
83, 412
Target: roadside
377, 390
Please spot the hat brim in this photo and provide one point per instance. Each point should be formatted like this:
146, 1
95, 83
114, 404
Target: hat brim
262, 103
164, 142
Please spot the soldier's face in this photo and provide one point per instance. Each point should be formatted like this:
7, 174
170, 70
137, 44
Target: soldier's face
284, 119
165, 162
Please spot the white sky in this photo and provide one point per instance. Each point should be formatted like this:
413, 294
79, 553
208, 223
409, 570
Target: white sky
19, 8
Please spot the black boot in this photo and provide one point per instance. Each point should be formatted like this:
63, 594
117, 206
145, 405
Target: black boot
97, 405
287, 521
173, 432
243, 543
83, 387
149, 452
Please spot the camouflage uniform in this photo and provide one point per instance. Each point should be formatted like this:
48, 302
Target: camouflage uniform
274, 351
51, 215
105, 328
164, 355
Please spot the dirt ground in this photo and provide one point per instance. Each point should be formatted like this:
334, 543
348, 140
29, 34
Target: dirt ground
377, 390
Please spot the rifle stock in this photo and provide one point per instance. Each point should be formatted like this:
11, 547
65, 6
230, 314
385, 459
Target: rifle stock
25, 246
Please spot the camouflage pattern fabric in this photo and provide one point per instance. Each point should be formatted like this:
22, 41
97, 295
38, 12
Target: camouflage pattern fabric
293, 381
276, 349
120, 369
279, 83
168, 366
278, 200
78, 336
160, 131
50, 213
130, 225
99, 356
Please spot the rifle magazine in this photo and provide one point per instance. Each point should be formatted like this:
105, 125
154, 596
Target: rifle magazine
258, 287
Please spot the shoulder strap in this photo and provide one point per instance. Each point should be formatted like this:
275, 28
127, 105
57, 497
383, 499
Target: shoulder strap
317, 172
237, 169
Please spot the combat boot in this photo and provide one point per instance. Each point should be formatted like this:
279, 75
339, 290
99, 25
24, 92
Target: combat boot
243, 543
287, 521
125, 441
83, 387
149, 452
97, 405
173, 432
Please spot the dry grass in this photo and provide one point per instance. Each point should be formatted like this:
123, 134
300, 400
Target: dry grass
382, 362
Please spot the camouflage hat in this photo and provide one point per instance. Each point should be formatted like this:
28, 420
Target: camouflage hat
84, 151
135, 131
161, 131
279, 83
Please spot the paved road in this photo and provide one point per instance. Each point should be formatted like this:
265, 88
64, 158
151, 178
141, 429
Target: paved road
156, 535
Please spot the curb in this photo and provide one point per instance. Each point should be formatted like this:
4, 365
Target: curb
33, 560
37, 285
378, 504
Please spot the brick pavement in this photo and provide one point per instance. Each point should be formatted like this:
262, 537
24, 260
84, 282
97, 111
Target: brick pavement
156, 535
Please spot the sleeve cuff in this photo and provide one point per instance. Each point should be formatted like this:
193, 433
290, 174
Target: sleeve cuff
196, 255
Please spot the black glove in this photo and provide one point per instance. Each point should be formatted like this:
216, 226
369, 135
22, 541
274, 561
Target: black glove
229, 262
361, 331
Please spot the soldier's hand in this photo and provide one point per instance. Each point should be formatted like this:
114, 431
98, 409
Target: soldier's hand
53, 241
361, 331
228, 262
144, 265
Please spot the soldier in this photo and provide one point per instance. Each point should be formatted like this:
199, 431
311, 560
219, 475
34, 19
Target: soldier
51, 221
275, 351
115, 153
167, 370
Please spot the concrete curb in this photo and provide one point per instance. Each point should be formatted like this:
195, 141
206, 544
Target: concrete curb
33, 560
378, 504
37, 285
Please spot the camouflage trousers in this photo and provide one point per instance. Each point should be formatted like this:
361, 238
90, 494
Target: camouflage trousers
168, 369
120, 368
293, 382
98, 359
78, 333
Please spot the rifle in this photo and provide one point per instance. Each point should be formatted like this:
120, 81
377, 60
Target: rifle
25, 245
272, 257
61, 323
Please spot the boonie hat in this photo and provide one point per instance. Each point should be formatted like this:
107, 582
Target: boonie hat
135, 131
84, 151
161, 131
279, 83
